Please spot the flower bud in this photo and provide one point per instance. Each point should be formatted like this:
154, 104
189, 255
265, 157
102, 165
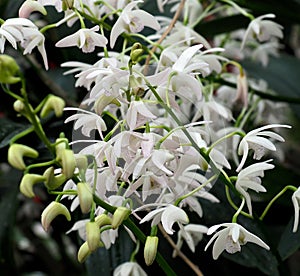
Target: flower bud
84, 251
52, 181
68, 162
92, 235
150, 249
30, 6
61, 145
53, 103
85, 197
19, 106
136, 52
52, 211
8, 70
27, 182
102, 220
15, 155
121, 214
81, 162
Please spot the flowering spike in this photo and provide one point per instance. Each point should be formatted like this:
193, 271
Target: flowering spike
52, 181
53, 103
92, 235
16, 152
150, 249
119, 216
8, 70
52, 211
85, 197
27, 182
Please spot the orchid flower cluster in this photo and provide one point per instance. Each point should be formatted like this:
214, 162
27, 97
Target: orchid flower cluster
165, 119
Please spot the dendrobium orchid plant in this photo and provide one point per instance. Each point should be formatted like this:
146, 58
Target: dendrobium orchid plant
159, 128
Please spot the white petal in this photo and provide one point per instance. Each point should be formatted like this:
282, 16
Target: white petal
171, 215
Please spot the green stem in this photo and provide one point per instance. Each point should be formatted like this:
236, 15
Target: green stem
234, 218
21, 134
39, 165
242, 134
288, 187
195, 190
233, 204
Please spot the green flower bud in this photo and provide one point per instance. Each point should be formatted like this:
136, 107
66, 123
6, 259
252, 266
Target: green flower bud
136, 52
102, 220
61, 145
68, 162
92, 235
85, 197
52, 211
19, 106
15, 155
52, 181
81, 162
27, 182
84, 251
150, 249
121, 214
53, 103
8, 70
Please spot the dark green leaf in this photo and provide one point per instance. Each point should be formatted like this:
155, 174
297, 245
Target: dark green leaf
281, 74
9, 129
289, 242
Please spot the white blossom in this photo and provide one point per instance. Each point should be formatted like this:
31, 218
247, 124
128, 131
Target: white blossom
168, 216
231, 238
129, 269
296, 203
85, 39
249, 178
132, 21
262, 29
255, 139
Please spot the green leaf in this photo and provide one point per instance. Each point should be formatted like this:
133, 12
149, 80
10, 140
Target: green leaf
289, 242
9, 129
281, 74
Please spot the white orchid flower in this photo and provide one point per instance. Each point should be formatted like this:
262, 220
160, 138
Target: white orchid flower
192, 234
138, 114
249, 178
231, 238
168, 216
86, 120
132, 21
85, 39
255, 139
22, 30
262, 29
296, 203
128, 269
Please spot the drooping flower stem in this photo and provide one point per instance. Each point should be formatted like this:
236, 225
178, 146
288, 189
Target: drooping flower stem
235, 216
288, 187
